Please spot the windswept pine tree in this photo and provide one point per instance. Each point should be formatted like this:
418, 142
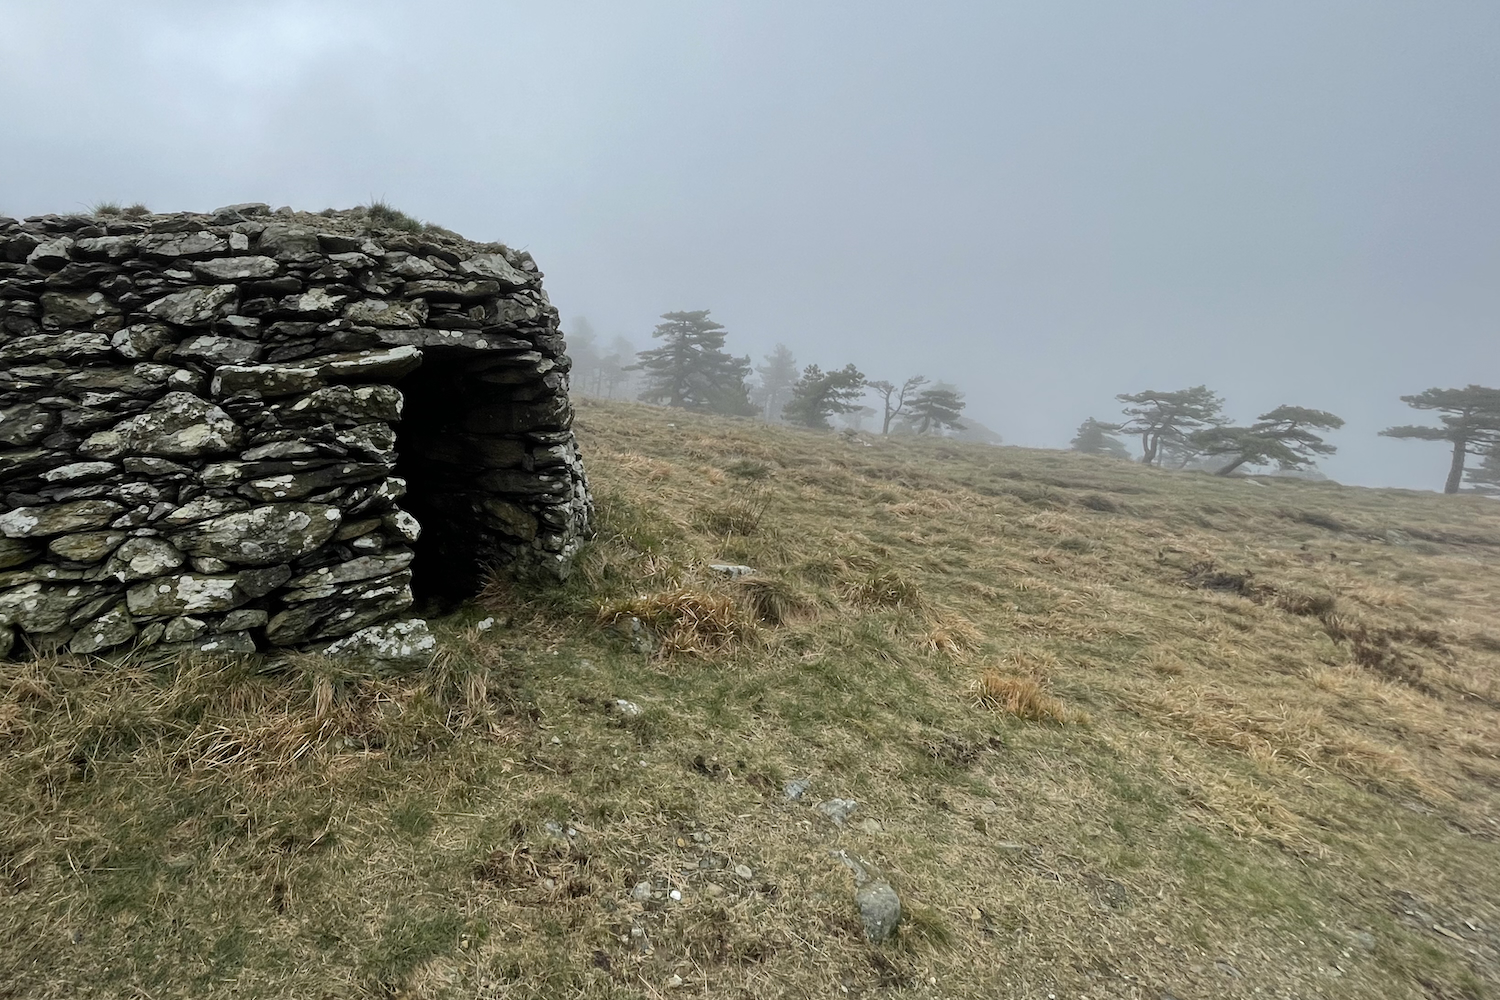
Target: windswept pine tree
935, 409
1166, 421
1286, 436
691, 369
1095, 437
819, 394
1470, 423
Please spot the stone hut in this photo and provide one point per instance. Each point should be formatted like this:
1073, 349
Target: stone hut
249, 430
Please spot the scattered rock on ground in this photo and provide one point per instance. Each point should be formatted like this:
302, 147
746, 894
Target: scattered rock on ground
837, 810
879, 905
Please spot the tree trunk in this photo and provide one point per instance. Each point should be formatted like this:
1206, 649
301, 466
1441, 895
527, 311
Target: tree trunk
1231, 466
1456, 469
1148, 448
885, 428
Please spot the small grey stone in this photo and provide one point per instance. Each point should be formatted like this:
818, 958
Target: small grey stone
879, 909
731, 571
141, 341
239, 621
744, 872
837, 810
227, 643
184, 629
402, 524
626, 709
208, 564
641, 892
796, 788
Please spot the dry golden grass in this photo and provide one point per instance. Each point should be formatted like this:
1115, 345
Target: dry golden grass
683, 620
1022, 697
1293, 723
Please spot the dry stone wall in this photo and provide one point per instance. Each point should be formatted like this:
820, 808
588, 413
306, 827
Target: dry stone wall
248, 430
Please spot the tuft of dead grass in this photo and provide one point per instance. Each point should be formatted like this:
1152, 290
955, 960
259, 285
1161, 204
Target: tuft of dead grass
886, 589
1020, 696
953, 634
775, 602
683, 620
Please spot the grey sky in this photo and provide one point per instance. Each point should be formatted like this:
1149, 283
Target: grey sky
1046, 203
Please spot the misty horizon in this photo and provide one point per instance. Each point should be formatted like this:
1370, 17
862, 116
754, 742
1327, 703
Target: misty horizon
1045, 207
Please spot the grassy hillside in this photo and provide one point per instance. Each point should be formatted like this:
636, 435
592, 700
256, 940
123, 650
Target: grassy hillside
1113, 732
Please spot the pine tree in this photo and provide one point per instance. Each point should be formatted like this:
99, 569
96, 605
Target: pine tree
1166, 421
1284, 436
691, 369
777, 376
896, 409
937, 408
818, 395
1471, 423
1098, 438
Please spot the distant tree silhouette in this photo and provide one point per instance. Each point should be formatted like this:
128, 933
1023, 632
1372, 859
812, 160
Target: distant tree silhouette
691, 369
1166, 421
889, 389
818, 395
933, 409
1470, 423
1098, 438
1485, 477
777, 376
1284, 436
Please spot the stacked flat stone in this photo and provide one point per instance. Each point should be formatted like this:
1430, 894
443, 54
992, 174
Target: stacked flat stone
199, 420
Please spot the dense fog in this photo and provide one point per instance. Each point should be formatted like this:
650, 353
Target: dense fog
1042, 206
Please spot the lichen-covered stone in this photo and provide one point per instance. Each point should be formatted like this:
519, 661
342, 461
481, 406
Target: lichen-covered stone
144, 558
113, 628
179, 424
193, 307
264, 535
395, 645
39, 522
87, 547
14, 552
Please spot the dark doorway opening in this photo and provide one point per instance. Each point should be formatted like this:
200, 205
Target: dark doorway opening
448, 568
